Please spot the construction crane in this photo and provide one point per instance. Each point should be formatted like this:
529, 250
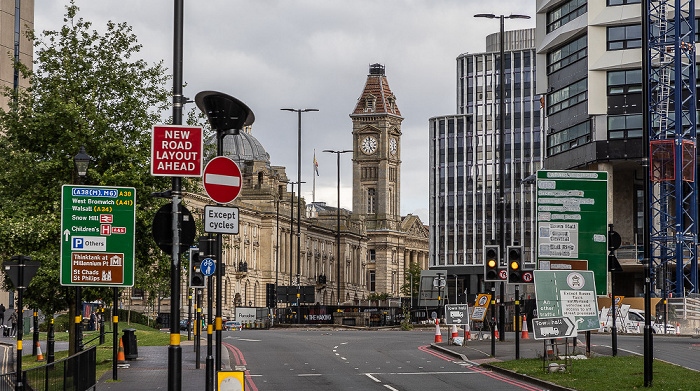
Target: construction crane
673, 196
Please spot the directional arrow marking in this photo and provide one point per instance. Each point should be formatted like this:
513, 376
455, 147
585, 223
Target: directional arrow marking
66, 233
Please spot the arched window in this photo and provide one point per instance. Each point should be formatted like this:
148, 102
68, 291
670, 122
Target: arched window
371, 200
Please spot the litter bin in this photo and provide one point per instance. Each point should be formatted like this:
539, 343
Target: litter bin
130, 347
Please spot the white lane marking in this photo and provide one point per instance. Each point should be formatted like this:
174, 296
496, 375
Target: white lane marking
373, 378
390, 387
309, 374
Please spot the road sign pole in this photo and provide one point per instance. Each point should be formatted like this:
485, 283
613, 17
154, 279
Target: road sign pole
493, 320
516, 326
174, 349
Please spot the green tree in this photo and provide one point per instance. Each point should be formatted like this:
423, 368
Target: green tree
90, 89
412, 274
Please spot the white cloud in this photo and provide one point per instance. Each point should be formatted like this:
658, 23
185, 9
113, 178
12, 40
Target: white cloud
315, 53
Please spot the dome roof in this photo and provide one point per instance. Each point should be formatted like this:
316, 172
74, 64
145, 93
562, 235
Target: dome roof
244, 147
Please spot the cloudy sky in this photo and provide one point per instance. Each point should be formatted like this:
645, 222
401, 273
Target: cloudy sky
274, 54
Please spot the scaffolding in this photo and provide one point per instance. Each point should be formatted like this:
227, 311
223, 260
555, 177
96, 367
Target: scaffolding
672, 144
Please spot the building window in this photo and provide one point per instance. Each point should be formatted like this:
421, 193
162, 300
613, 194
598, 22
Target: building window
371, 201
568, 138
622, 2
625, 91
372, 281
624, 126
372, 255
565, 13
567, 54
567, 96
625, 37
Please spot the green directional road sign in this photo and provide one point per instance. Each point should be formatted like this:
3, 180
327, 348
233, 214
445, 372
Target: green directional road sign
97, 235
572, 219
568, 293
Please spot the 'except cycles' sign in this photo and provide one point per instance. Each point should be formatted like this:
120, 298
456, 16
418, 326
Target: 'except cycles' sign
97, 235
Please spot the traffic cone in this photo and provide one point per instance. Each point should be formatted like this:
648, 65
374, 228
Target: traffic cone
678, 328
438, 336
120, 354
455, 334
467, 333
39, 354
525, 335
496, 334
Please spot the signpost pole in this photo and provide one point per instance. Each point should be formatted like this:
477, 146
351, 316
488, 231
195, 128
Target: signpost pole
210, 358
174, 349
493, 320
516, 322
115, 333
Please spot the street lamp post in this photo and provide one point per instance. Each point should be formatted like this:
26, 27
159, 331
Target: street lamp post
299, 111
82, 162
501, 151
337, 234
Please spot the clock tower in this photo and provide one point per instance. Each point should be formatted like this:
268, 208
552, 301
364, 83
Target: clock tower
376, 130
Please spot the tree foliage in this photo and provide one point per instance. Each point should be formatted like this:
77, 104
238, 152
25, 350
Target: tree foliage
90, 89
411, 275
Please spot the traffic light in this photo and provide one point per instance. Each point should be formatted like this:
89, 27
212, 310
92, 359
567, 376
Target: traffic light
207, 247
271, 290
196, 277
515, 264
491, 262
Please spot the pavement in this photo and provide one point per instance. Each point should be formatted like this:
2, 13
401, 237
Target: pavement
149, 371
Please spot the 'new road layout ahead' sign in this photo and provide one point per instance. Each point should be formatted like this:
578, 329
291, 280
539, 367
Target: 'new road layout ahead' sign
97, 235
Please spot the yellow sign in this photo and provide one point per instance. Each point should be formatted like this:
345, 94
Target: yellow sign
479, 310
230, 380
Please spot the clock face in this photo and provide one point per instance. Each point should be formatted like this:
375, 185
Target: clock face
393, 146
369, 145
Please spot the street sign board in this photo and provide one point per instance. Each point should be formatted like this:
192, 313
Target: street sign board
208, 267
562, 264
567, 293
572, 219
547, 328
221, 219
480, 307
97, 235
162, 228
456, 314
222, 179
176, 150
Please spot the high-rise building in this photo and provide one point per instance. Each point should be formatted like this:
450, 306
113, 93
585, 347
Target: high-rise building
464, 161
14, 23
17, 18
589, 53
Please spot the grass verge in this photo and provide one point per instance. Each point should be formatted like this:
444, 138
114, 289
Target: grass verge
610, 373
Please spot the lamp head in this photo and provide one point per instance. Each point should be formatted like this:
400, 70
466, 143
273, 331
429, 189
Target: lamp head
225, 113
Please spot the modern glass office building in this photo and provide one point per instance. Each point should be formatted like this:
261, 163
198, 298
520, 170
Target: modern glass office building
464, 160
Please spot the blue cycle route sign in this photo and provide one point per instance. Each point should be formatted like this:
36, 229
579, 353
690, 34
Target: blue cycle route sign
208, 266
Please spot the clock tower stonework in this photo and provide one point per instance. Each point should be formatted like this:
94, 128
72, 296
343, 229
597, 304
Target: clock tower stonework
376, 129
394, 241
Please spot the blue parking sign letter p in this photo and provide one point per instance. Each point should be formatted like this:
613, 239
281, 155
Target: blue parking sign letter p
77, 243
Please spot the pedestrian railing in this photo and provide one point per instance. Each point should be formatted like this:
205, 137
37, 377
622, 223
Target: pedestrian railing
74, 373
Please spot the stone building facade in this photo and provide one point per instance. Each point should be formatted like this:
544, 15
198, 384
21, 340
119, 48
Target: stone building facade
376, 244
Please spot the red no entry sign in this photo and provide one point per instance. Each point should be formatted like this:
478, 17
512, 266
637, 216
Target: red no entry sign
222, 179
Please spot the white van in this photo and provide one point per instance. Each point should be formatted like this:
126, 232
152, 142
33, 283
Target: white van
629, 320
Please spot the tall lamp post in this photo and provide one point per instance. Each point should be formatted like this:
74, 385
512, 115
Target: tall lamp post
299, 182
81, 162
501, 151
337, 233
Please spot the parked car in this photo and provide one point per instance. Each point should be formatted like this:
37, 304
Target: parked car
233, 325
184, 324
